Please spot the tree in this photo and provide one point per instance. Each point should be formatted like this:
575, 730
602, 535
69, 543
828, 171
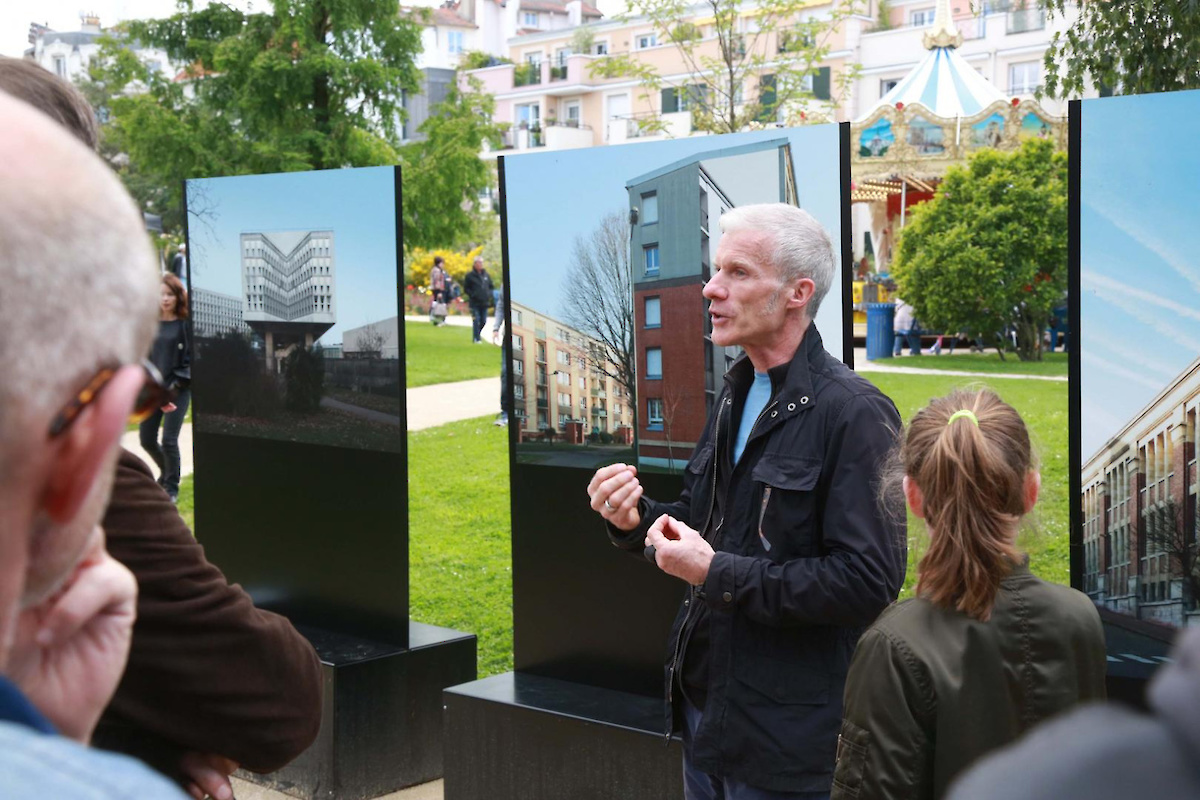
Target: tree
1166, 532
598, 288
777, 43
457, 265
989, 251
311, 84
369, 342
1136, 46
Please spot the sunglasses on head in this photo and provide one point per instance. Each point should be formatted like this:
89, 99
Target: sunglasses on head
153, 395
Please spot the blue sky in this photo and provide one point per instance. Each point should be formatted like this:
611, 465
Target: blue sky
555, 196
1139, 240
358, 205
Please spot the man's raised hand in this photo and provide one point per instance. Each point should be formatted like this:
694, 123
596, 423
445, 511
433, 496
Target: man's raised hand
614, 492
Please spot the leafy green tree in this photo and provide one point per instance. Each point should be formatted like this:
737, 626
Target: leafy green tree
311, 84
1134, 46
989, 251
777, 45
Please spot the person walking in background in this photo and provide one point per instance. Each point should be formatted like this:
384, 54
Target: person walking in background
179, 265
904, 327
502, 418
478, 286
172, 355
986, 650
439, 285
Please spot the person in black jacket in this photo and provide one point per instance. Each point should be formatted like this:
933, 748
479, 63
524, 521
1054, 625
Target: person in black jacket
777, 533
478, 286
172, 355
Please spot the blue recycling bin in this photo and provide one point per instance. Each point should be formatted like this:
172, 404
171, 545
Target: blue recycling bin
880, 318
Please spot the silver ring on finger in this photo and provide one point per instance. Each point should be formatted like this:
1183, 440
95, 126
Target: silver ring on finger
609, 506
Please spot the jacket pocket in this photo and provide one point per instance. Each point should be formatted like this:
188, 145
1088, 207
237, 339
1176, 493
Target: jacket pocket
785, 683
787, 504
853, 744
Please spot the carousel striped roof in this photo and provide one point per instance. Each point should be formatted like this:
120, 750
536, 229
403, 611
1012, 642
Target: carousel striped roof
945, 84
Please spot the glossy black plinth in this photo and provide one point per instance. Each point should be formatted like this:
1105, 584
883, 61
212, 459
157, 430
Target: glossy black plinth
381, 725
521, 737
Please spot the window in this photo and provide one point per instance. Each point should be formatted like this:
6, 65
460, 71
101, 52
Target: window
529, 19
518, 367
1024, 77
921, 17
519, 391
564, 357
1030, 18
654, 363
564, 399
886, 85
647, 40
651, 259
518, 343
653, 312
649, 208
767, 99
60, 66
600, 48
582, 382
454, 39
516, 317
564, 378
654, 414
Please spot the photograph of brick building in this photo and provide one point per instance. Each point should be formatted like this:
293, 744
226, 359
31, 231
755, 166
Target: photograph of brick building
1139, 374
674, 219
566, 406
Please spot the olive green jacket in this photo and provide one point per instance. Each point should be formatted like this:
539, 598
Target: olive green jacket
930, 690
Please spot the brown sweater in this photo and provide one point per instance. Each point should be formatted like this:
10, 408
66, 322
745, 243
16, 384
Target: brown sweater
207, 670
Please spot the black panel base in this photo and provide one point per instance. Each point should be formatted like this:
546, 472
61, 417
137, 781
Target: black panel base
521, 737
381, 725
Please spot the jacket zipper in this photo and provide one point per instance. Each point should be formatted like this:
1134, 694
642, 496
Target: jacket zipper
687, 617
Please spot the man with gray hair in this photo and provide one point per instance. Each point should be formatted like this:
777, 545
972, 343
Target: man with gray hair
77, 312
777, 534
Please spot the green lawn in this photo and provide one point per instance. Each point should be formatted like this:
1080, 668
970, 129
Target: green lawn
1052, 364
1043, 406
442, 355
460, 546
460, 541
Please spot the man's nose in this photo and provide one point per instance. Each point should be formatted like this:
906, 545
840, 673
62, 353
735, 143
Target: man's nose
713, 288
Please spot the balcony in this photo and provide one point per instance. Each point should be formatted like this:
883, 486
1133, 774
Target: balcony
542, 404
558, 73
1026, 19
527, 75
675, 125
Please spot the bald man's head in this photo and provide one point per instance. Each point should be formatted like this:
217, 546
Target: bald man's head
78, 289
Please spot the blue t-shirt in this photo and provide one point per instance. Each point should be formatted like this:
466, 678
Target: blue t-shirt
756, 400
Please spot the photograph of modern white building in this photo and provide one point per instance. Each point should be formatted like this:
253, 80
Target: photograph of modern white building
214, 313
289, 286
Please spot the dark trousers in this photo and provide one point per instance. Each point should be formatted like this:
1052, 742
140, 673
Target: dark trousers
166, 455
699, 785
478, 320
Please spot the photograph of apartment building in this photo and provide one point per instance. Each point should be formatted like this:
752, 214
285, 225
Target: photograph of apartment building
214, 313
677, 229
1139, 372
565, 393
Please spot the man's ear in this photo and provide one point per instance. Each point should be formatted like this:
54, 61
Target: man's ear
916, 500
800, 293
83, 450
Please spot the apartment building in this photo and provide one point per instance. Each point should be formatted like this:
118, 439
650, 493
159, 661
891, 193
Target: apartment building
68, 54
559, 385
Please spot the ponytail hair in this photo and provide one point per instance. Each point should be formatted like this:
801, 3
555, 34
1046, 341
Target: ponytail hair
971, 469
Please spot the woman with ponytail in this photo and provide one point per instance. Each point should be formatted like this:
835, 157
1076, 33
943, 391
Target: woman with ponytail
985, 650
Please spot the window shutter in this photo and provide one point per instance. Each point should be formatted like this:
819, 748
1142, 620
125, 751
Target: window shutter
822, 84
670, 100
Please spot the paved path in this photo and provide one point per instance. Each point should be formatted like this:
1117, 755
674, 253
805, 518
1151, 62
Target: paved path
429, 406
244, 790
906, 365
369, 414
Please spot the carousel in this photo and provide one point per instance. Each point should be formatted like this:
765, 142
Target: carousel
934, 118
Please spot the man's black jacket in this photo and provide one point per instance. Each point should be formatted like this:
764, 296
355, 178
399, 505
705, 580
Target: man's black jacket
805, 561
478, 286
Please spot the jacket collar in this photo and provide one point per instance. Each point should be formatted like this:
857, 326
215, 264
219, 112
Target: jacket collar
791, 382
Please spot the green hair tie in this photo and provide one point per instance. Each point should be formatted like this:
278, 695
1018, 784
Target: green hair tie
968, 414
